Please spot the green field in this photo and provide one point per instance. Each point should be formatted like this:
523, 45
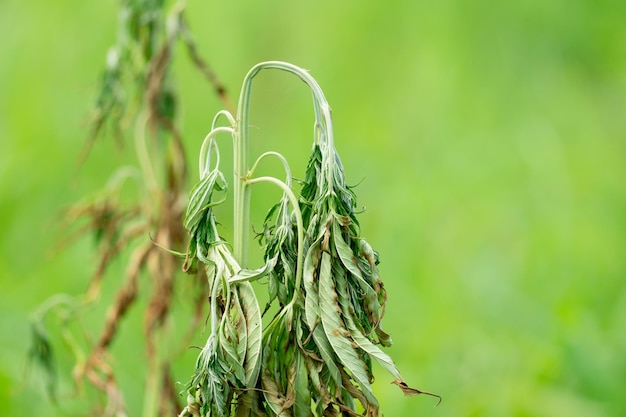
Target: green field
488, 140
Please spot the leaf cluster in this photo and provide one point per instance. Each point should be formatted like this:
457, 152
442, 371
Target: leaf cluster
229, 361
136, 93
315, 356
137, 74
318, 358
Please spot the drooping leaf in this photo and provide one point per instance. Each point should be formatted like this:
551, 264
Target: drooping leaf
242, 327
201, 199
302, 405
408, 391
348, 260
250, 275
233, 364
336, 332
310, 268
273, 398
362, 341
252, 314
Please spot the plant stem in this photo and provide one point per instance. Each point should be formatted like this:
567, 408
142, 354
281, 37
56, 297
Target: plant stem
283, 160
324, 132
299, 224
204, 160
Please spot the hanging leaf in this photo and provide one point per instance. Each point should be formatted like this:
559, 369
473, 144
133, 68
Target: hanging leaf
336, 332
252, 314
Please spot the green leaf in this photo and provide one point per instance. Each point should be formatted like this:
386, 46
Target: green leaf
200, 197
277, 356
302, 406
336, 332
349, 262
345, 253
311, 301
252, 314
231, 357
360, 339
250, 275
312, 309
326, 352
241, 326
208, 387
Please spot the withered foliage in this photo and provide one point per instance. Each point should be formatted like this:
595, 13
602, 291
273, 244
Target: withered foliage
137, 103
314, 356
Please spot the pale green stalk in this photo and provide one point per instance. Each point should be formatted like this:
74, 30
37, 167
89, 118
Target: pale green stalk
225, 113
204, 164
299, 223
241, 146
208, 143
282, 159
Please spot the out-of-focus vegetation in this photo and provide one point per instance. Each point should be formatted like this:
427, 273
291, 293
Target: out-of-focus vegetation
490, 139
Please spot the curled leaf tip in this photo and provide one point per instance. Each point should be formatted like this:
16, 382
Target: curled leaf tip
408, 391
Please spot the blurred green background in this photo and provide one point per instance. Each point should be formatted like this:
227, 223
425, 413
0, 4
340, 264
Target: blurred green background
491, 141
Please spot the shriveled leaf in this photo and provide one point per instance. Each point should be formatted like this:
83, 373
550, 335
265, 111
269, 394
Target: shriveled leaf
242, 327
345, 253
360, 339
273, 397
232, 360
302, 405
348, 260
336, 332
353, 391
408, 391
309, 276
327, 353
252, 314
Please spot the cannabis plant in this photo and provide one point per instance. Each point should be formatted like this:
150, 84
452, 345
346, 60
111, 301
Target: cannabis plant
314, 357
309, 351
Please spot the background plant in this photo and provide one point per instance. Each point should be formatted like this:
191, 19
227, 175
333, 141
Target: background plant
137, 102
509, 121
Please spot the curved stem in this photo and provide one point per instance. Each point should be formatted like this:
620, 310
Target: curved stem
288, 179
204, 162
226, 114
299, 224
241, 145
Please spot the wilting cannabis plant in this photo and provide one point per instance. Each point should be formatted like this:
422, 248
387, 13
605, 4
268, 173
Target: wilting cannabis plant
314, 358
